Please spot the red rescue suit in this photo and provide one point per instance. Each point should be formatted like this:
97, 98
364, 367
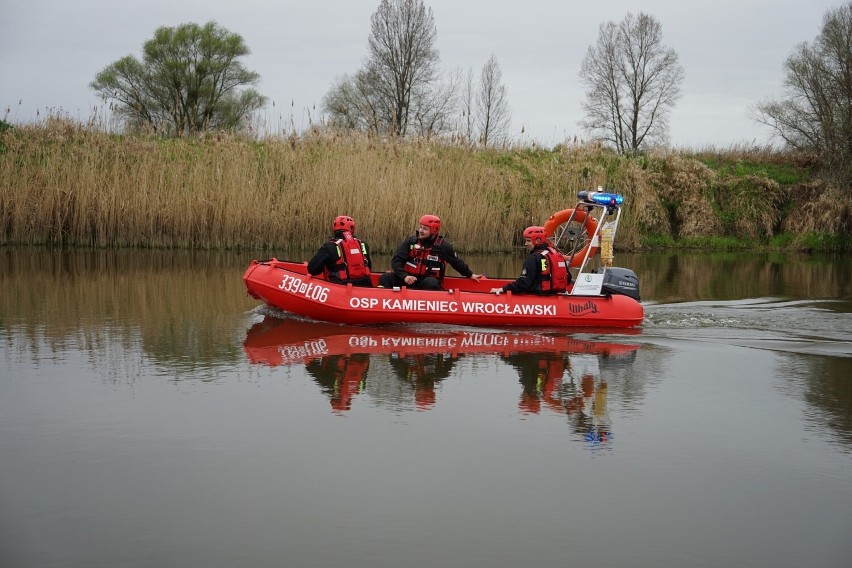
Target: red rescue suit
426, 260
553, 276
351, 263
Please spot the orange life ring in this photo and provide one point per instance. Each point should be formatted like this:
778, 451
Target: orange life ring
580, 216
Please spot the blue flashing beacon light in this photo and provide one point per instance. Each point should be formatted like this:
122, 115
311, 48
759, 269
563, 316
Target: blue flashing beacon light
601, 198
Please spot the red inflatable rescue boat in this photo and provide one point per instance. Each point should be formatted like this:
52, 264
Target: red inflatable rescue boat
602, 296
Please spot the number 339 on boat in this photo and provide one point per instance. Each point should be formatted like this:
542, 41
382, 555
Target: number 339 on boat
308, 290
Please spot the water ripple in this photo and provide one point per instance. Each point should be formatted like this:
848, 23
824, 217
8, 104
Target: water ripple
803, 326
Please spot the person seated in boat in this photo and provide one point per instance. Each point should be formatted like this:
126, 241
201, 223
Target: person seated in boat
421, 259
344, 259
545, 271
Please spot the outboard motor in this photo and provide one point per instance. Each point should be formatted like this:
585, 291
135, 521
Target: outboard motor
621, 281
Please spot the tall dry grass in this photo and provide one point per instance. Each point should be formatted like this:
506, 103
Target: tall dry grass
63, 183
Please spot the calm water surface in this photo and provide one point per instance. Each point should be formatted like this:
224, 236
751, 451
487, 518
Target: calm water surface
153, 415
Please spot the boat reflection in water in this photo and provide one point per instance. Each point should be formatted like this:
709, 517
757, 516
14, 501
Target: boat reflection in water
571, 383
558, 373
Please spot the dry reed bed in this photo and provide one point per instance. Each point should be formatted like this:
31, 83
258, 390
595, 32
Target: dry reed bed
62, 183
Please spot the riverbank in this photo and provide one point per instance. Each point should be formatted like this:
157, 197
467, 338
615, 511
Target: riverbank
64, 184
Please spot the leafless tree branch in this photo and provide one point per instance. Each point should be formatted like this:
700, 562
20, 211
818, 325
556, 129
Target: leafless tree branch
633, 81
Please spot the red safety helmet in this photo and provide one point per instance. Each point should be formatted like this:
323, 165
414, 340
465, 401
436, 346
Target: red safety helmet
431, 221
537, 234
343, 223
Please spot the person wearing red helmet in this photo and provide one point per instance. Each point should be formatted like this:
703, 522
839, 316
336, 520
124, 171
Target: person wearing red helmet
420, 260
344, 259
545, 270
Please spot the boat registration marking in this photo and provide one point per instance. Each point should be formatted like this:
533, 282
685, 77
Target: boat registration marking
307, 289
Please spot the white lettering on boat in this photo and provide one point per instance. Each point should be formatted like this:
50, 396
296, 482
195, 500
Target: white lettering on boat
420, 305
452, 306
309, 290
508, 309
366, 303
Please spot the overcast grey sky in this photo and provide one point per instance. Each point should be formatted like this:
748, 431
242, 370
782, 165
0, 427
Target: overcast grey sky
732, 52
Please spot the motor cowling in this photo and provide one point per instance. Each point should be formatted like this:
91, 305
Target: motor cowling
621, 281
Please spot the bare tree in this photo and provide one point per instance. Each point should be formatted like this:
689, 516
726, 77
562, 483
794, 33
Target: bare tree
398, 90
436, 107
632, 81
353, 104
402, 58
816, 114
341, 104
467, 104
493, 106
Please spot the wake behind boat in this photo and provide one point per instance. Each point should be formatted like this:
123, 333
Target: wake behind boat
598, 297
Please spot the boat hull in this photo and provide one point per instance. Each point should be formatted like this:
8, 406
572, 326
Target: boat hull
287, 286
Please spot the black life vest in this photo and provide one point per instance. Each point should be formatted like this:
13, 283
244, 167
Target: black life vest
553, 277
351, 261
426, 261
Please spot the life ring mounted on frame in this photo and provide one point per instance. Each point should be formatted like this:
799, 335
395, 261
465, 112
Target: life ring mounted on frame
572, 233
